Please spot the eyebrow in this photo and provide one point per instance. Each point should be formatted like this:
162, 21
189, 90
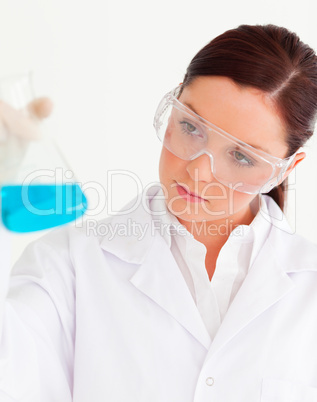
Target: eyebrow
190, 106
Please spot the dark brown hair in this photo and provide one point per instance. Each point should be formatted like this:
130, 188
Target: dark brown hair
271, 59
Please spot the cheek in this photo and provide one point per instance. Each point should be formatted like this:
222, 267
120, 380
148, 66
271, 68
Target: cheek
169, 165
226, 204
240, 201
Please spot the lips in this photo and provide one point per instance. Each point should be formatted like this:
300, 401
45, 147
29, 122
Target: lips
192, 194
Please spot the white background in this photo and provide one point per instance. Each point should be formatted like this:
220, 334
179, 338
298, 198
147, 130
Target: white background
106, 65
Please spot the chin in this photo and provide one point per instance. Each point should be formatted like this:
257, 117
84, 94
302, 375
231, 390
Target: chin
196, 211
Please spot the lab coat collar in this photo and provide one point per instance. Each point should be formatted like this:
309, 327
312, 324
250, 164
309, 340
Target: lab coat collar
266, 283
299, 255
130, 233
159, 277
269, 279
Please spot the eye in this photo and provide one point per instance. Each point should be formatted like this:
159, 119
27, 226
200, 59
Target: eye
239, 156
189, 128
241, 159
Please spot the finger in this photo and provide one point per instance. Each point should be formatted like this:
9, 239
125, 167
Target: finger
41, 107
17, 123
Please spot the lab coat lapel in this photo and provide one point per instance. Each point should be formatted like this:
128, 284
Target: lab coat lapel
157, 275
160, 279
266, 283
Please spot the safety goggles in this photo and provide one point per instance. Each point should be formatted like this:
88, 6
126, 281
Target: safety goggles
233, 163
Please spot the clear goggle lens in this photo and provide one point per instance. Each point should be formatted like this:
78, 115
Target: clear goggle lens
233, 163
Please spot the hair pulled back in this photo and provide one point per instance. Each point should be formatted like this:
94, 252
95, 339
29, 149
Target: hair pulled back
274, 60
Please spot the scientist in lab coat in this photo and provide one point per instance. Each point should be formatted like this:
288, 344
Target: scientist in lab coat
198, 290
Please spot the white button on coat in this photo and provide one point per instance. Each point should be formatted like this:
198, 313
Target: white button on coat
210, 381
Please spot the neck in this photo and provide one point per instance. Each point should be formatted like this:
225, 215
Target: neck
214, 234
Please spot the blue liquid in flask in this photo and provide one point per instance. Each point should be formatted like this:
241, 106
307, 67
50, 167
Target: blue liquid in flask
28, 208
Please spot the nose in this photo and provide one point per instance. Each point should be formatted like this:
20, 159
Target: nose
200, 168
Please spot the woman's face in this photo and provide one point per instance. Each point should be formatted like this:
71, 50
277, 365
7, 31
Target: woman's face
245, 113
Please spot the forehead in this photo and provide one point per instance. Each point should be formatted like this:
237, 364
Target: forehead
244, 112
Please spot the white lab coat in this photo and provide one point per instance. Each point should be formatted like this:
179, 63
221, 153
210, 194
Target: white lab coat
94, 319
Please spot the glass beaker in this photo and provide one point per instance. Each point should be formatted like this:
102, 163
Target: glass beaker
37, 188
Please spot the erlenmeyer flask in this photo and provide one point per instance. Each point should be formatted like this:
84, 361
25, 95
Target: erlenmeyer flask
37, 188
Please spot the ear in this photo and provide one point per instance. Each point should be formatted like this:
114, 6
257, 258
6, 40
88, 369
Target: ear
298, 158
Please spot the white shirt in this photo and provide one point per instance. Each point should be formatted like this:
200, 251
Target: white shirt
214, 297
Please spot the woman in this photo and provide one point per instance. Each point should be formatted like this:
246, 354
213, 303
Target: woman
198, 290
